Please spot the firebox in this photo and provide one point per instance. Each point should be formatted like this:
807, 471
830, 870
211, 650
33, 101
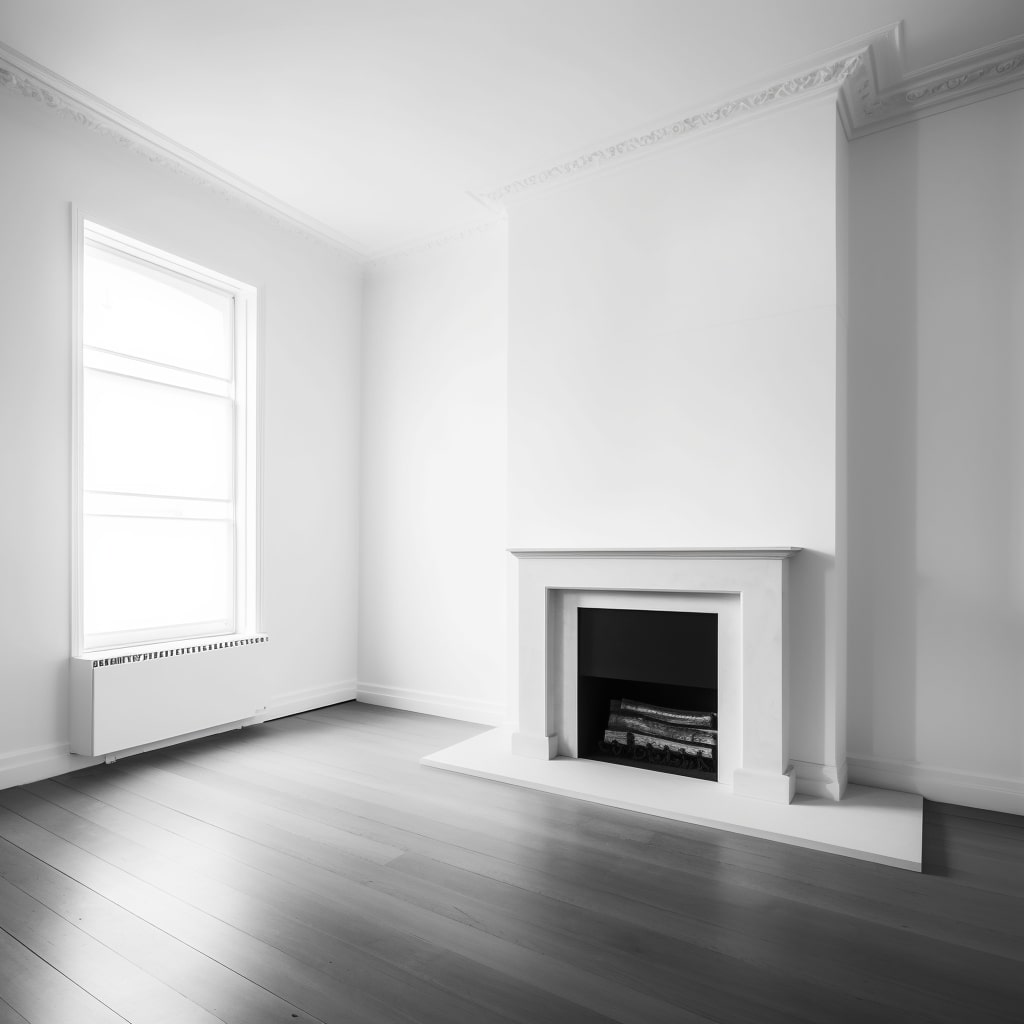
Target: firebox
647, 692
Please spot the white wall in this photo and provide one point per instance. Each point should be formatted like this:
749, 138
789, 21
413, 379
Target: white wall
936, 657
669, 321
672, 368
432, 611
311, 301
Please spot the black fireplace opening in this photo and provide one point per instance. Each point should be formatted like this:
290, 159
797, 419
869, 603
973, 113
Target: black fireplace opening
647, 689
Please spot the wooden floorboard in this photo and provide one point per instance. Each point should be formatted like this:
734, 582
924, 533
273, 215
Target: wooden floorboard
8, 1015
312, 870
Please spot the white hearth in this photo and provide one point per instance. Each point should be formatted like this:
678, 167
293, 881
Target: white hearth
747, 589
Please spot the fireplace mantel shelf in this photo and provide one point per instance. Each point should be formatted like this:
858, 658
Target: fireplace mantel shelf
716, 553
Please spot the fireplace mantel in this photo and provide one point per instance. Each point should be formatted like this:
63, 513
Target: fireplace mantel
757, 575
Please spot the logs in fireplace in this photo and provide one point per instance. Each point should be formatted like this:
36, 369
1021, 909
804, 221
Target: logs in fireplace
660, 736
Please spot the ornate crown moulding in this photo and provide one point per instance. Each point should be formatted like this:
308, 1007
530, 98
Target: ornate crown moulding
32, 80
866, 75
817, 81
879, 94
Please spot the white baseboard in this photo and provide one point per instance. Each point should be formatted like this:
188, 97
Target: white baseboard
297, 701
441, 704
946, 785
821, 780
31, 764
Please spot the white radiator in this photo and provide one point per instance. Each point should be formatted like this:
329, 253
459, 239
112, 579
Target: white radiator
128, 700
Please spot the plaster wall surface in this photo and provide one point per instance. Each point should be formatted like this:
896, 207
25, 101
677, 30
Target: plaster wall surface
311, 310
677, 373
673, 368
432, 615
936, 507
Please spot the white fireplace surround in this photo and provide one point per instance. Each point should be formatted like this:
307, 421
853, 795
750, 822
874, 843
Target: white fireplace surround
746, 587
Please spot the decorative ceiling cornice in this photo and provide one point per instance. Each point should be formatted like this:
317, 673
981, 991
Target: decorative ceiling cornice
820, 80
23, 75
865, 74
880, 94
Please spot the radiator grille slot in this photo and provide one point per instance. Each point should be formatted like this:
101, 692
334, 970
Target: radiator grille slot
124, 659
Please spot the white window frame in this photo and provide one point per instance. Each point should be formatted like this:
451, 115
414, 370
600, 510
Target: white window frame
248, 427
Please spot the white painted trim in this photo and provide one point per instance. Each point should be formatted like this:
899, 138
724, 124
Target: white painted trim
880, 94
821, 780
20, 767
545, 748
946, 785
773, 787
866, 75
718, 553
296, 701
441, 704
820, 77
75, 440
258, 389
39, 83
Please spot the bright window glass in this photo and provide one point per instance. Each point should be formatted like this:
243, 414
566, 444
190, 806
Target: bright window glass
148, 438
144, 574
166, 449
194, 327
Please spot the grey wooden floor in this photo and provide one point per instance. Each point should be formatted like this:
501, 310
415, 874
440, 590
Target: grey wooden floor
310, 870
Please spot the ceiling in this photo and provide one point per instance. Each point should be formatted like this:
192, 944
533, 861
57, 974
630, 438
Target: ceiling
377, 118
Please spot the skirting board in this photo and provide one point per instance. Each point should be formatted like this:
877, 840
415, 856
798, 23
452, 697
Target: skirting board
440, 704
297, 701
21, 767
876, 825
946, 785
